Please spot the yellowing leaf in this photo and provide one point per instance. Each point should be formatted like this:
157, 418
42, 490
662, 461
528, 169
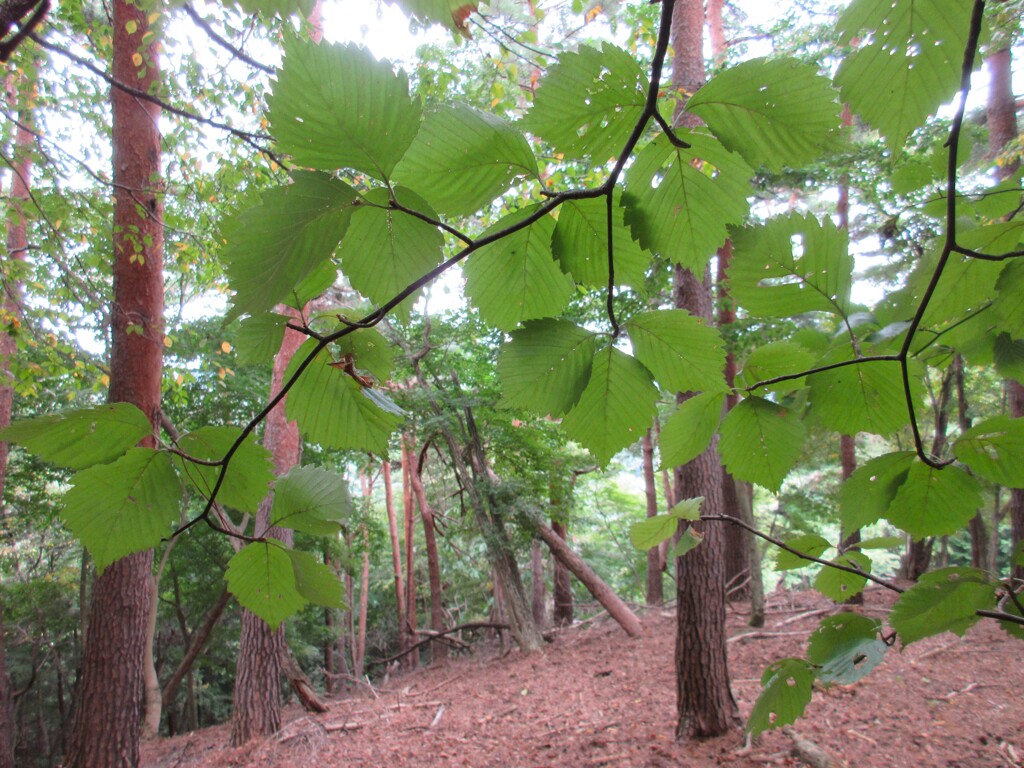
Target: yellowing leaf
167, 341
137, 59
225, 347
131, 26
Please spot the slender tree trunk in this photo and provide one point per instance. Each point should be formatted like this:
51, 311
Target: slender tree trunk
154, 701
597, 587
655, 594
849, 539
412, 659
396, 556
564, 604
438, 649
1016, 506
705, 705
538, 585
108, 708
197, 641
364, 602
11, 312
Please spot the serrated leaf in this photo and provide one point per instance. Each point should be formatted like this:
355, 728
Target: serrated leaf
271, 248
688, 540
774, 112
589, 102
259, 337
942, 601
462, 159
809, 544
867, 494
934, 502
127, 506
994, 449
385, 250
785, 692
687, 509
910, 64
652, 531
840, 585
680, 202
335, 106
1009, 357
846, 647
760, 441
516, 278
865, 397
331, 408
449, 13
580, 244
688, 431
681, 351
778, 358
262, 579
1009, 303
312, 500
248, 475
314, 581
545, 366
370, 352
792, 264
80, 438
616, 407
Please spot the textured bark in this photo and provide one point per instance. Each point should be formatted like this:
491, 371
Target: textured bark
438, 650
655, 594
300, 683
108, 709
597, 587
538, 585
564, 605
705, 706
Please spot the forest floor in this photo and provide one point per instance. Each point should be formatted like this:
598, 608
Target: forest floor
594, 697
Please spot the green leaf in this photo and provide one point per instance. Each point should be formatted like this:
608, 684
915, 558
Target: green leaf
1009, 303
935, 502
311, 500
545, 366
1009, 357
785, 692
865, 397
688, 431
262, 579
271, 8
942, 601
791, 265
370, 352
839, 585
682, 351
588, 102
516, 278
260, 336
687, 509
846, 647
80, 438
777, 358
385, 250
462, 159
248, 475
652, 531
879, 542
449, 13
332, 409
580, 244
314, 581
994, 449
760, 441
776, 112
688, 540
680, 202
1012, 628
910, 64
615, 409
335, 106
810, 544
127, 506
274, 246
868, 493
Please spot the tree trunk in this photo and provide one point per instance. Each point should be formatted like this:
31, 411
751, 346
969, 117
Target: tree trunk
654, 594
396, 555
256, 708
1016, 506
849, 539
364, 602
564, 604
108, 709
705, 706
308, 697
438, 649
538, 585
196, 643
412, 659
597, 587
154, 701
745, 497
11, 311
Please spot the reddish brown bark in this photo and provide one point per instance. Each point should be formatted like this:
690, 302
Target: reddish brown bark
412, 659
438, 650
597, 587
564, 606
359, 654
705, 705
396, 555
655, 594
107, 720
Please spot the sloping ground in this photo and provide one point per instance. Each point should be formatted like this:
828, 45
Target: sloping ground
594, 697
